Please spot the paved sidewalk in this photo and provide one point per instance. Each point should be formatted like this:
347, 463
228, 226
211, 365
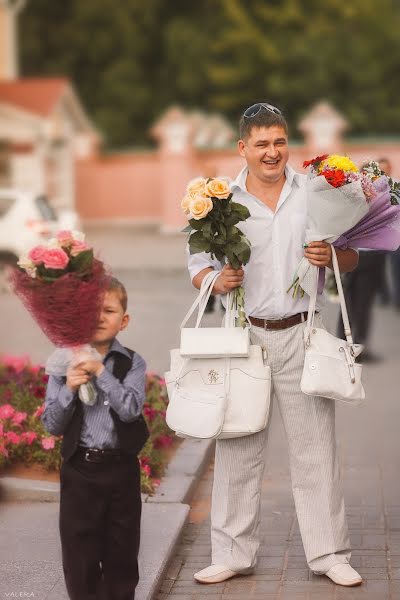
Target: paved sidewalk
370, 458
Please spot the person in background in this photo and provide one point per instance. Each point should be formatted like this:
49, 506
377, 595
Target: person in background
384, 295
394, 257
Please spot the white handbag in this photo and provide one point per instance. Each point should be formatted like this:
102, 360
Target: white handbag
330, 369
220, 387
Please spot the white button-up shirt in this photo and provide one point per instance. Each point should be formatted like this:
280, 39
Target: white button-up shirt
276, 248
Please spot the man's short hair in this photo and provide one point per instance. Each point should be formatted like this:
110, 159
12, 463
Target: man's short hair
114, 285
264, 118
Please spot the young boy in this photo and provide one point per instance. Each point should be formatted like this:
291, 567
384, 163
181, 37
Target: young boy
100, 504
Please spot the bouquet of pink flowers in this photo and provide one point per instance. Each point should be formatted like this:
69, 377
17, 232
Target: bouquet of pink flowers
62, 285
212, 227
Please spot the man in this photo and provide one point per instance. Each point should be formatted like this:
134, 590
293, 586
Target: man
276, 198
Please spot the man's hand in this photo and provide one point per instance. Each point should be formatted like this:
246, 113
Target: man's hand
76, 376
91, 367
228, 280
319, 254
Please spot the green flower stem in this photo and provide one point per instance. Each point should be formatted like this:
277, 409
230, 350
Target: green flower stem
238, 305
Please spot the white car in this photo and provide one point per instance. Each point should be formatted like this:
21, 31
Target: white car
27, 220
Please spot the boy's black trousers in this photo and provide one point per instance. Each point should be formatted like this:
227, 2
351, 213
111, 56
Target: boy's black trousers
100, 510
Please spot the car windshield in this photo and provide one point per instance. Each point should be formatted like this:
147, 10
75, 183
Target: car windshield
45, 209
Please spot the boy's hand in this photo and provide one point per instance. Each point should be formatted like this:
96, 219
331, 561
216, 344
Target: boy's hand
319, 254
92, 367
76, 377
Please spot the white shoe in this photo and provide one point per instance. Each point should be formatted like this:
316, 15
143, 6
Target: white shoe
214, 574
344, 574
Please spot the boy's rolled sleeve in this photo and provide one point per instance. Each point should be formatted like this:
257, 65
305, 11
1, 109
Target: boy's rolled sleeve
59, 406
127, 398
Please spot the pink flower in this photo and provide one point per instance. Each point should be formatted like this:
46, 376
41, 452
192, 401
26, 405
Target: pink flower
18, 363
161, 381
162, 441
65, 238
12, 437
19, 417
55, 258
1, 430
150, 413
29, 437
6, 411
39, 411
48, 443
146, 469
36, 254
78, 247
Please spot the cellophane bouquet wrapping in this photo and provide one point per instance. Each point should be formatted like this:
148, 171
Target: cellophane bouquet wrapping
213, 216
341, 200
62, 285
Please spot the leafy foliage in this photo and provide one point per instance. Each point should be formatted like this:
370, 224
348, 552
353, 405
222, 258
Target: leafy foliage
131, 60
218, 235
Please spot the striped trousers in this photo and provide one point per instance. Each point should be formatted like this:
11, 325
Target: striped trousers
309, 424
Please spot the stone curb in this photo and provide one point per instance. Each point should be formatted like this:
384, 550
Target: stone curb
172, 497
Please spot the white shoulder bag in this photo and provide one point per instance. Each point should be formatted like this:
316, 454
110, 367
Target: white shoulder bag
218, 385
330, 369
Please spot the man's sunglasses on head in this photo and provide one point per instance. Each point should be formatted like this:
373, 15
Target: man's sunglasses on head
254, 109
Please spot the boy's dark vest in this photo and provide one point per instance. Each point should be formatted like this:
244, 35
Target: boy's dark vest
132, 435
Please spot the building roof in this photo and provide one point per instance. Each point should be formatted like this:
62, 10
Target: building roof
36, 95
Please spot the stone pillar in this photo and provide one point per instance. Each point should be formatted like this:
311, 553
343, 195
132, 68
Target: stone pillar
9, 10
323, 127
174, 132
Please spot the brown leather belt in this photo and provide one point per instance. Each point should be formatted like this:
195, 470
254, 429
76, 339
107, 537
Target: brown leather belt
279, 323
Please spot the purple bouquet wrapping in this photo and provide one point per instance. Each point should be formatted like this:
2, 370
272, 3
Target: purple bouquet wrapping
379, 229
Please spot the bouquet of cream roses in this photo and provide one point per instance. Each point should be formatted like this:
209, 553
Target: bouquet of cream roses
213, 216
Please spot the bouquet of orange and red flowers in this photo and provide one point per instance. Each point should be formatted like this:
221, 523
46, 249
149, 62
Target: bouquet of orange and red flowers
62, 285
213, 216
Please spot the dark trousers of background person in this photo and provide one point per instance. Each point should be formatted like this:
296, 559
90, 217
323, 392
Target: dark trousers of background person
360, 289
395, 273
100, 510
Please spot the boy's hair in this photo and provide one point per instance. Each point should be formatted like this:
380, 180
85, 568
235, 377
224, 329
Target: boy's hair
114, 285
264, 118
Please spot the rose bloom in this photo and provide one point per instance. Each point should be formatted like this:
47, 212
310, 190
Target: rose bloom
218, 188
12, 437
19, 417
65, 238
200, 206
185, 204
36, 254
55, 258
78, 247
48, 443
29, 437
196, 186
146, 469
6, 411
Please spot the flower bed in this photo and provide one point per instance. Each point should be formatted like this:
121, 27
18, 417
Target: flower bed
24, 441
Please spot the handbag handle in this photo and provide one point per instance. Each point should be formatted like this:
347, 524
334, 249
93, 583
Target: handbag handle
313, 300
206, 288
